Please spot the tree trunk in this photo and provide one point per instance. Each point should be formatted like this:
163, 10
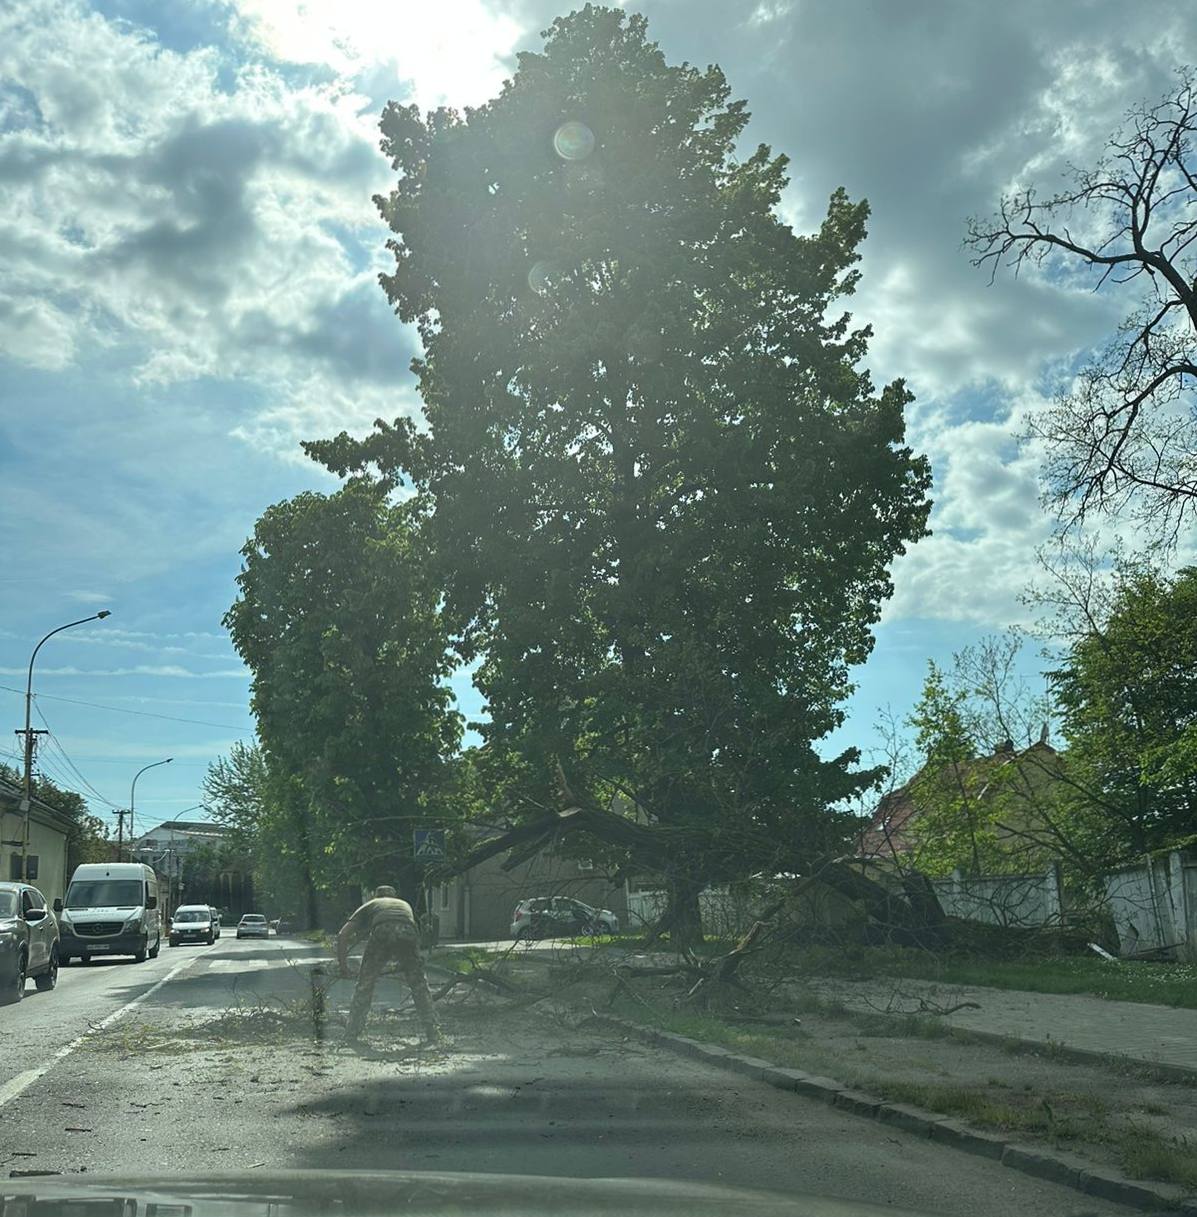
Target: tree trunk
683, 914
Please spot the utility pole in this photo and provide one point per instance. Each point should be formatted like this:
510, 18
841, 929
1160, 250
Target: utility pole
120, 833
30, 734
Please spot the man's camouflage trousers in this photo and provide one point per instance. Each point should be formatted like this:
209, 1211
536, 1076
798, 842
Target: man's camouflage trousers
399, 944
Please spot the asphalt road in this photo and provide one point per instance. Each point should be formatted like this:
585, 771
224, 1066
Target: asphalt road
216, 1059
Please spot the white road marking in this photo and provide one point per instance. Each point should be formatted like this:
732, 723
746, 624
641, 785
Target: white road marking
237, 963
19, 1084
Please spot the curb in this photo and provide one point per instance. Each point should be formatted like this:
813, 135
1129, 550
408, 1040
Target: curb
1055, 1166
1160, 1071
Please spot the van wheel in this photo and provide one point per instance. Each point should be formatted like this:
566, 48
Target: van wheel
141, 954
157, 947
49, 978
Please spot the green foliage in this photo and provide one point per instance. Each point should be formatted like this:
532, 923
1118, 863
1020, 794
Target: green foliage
338, 621
87, 837
952, 828
989, 797
1128, 698
663, 494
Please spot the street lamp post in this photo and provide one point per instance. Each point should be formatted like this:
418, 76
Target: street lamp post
28, 799
133, 791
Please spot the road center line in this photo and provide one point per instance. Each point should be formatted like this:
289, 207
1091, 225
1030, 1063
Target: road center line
19, 1084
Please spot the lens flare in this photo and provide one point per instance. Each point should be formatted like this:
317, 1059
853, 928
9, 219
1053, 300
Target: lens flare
542, 278
573, 141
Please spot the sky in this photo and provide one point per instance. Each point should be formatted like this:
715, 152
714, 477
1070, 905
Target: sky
188, 261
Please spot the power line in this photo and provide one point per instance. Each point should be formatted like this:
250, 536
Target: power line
95, 705
57, 743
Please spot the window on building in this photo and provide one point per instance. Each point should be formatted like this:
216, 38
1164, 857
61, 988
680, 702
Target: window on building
444, 895
14, 868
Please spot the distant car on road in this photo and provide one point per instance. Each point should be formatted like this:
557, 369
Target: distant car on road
192, 923
253, 925
560, 917
28, 941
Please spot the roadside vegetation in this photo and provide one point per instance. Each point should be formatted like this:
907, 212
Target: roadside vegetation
1164, 984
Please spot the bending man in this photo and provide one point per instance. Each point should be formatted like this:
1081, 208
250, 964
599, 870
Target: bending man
389, 927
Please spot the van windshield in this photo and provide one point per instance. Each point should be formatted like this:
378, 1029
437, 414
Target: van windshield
104, 893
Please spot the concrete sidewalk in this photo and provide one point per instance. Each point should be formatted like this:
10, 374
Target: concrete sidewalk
1161, 1036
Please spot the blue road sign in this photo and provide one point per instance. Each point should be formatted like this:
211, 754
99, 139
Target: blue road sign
428, 844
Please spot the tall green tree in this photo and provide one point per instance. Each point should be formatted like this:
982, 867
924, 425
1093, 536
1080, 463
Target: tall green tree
266, 818
338, 620
665, 494
1127, 692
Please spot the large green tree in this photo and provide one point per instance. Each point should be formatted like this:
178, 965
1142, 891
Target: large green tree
339, 623
266, 818
1127, 691
664, 492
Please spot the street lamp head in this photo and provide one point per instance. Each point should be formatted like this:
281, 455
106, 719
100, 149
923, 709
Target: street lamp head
103, 613
168, 760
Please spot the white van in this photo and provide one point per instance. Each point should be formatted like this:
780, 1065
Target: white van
111, 908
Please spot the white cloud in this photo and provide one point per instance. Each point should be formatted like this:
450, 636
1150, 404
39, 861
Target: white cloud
214, 217
36, 332
451, 52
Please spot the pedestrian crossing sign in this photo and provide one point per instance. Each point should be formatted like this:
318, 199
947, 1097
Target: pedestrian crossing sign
428, 844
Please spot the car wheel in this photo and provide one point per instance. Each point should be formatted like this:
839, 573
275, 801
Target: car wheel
49, 978
157, 947
140, 957
14, 990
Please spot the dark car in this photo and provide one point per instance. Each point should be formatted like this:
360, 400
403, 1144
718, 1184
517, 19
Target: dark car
28, 941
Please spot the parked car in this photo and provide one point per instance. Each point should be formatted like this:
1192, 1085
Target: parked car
28, 941
560, 917
253, 925
111, 908
192, 923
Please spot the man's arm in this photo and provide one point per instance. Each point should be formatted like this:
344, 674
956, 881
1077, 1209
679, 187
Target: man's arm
349, 933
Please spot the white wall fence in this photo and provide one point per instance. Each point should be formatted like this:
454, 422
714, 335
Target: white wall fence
1154, 906
1013, 901
725, 912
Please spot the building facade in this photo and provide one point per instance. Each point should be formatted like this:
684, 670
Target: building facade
47, 854
478, 905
